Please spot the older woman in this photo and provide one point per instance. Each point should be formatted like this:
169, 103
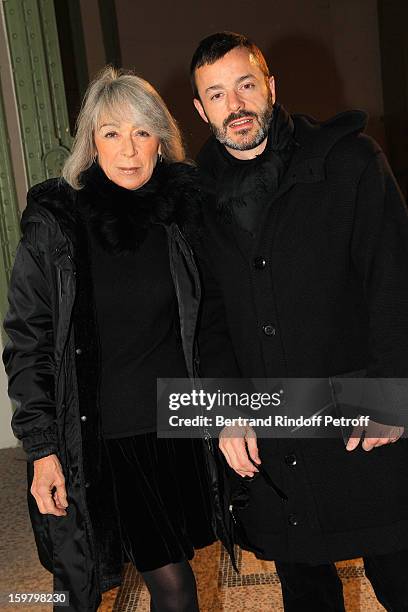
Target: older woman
103, 301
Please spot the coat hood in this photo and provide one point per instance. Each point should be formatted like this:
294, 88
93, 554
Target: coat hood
121, 215
316, 138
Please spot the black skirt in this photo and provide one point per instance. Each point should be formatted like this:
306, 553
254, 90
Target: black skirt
163, 498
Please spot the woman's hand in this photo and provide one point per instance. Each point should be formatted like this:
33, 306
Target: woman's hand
48, 486
236, 443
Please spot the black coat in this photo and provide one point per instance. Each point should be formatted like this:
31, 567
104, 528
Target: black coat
321, 291
51, 361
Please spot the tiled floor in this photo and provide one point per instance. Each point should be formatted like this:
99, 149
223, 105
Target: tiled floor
20, 569
255, 589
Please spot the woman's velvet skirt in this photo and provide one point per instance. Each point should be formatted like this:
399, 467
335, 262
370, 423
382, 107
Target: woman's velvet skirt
163, 498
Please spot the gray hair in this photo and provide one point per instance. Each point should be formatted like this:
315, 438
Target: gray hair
123, 95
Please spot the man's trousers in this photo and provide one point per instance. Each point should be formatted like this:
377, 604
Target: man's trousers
318, 587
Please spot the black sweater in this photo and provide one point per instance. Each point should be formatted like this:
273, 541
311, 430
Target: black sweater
137, 315
138, 329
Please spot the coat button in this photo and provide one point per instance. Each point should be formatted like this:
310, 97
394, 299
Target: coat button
268, 329
293, 520
78, 351
83, 418
87, 485
259, 263
291, 460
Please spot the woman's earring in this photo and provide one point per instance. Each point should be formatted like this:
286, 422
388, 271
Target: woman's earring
159, 158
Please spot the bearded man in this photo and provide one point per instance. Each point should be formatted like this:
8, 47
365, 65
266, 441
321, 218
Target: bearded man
307, 235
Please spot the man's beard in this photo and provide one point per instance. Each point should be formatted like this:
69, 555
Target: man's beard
263, 119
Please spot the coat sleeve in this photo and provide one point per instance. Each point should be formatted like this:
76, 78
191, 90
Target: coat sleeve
380, 257
29, 354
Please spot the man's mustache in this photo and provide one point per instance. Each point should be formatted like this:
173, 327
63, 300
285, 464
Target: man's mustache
236, 116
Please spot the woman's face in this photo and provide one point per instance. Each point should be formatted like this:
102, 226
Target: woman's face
127, 153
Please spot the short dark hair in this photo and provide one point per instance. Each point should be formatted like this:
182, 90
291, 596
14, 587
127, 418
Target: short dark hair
215, 46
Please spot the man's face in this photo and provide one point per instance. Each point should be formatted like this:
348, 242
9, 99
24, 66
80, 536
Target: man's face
236, 100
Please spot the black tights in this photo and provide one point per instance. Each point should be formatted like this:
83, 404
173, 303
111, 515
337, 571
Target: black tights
172, 588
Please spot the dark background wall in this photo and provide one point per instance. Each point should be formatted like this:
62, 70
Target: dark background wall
327, 55
324, 54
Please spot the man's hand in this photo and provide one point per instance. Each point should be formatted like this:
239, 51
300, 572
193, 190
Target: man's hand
48, 487
376, 434
236, 443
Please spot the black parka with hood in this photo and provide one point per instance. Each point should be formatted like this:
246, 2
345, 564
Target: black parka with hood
52, 363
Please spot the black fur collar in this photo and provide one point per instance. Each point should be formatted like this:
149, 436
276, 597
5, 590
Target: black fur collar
120, 218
